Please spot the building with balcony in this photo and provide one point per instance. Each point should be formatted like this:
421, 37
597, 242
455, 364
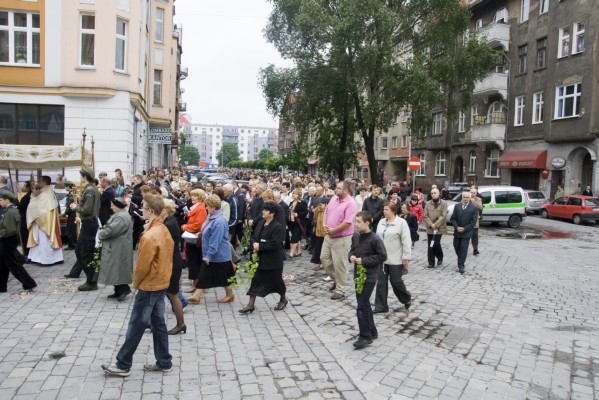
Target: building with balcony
109, 68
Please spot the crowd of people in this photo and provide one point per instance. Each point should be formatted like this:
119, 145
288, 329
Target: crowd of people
175, 224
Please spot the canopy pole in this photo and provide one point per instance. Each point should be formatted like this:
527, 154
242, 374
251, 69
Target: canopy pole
93, 155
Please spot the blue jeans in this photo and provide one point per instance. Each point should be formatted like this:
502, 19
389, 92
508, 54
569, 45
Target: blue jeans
147, 307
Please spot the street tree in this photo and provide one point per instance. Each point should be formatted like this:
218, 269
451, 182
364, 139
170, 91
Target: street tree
359, 63
229, 152
182, 139
265, 154
189, 155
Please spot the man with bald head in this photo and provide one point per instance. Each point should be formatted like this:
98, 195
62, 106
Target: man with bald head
464, 218
435, 212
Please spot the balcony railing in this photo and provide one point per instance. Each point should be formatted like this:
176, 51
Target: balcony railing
489, 128
497, 34
494, 83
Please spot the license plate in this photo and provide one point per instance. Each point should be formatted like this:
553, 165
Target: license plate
595, 208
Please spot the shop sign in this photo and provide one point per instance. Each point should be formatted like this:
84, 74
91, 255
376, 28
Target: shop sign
558, 162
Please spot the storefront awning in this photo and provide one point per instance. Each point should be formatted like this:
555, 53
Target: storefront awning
524, 159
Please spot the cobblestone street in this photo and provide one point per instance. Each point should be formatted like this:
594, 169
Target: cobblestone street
521, 323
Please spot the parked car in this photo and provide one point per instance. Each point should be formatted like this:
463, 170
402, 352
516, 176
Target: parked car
534, 200
576, 208
214, 177
500, 204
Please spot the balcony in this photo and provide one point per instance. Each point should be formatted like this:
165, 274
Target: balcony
489, 129
182, 107
497, 34
494, 83
184, 72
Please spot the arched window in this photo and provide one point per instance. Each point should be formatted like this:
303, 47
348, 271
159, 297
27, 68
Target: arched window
495, 114
501, 15
492, 170
422, 170
440, 163
472, 162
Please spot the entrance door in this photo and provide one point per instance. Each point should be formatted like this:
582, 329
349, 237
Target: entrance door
587, 172
526, 178
557, 178
458, 170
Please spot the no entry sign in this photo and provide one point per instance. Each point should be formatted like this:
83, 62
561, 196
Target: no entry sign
414, 163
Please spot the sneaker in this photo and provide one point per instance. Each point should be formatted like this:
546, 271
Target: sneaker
476, 252
157, 368
338, 296
328, 278
113, 370
361, 343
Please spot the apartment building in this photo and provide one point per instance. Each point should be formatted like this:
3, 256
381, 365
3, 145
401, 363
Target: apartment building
110, 68
249, 140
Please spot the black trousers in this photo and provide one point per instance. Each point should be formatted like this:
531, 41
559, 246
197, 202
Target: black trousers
460, 244
436, 251
11, 262
394, 274
24, 238
363, 309
475, 239
137, 228
86, 245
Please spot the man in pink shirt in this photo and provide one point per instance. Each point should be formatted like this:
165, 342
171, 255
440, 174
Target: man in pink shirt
339, 219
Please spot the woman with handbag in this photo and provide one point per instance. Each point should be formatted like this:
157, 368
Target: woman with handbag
298, 210
216, 266
267, 242
195, 219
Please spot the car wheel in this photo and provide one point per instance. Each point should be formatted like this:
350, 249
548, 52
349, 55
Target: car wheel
544, 214
514, 221
576, 219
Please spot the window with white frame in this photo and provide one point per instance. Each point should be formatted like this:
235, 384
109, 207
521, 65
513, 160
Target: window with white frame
501, 15
578, 38
384, 141
461, 121
87, 37
542, 52
567, 101
543, 6
537, 107
519, 111
479, 24
437, 125
404, 141
564, 42
422, 170
524, 10
522, 55
157, 99
472, 162
121, 45
394, 142
19, 37
159, 25
492, 167
473, 115
440, 163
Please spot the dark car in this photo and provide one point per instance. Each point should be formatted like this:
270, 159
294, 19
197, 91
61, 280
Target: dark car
574, 207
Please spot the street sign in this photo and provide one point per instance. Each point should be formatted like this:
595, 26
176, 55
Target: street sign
414, 163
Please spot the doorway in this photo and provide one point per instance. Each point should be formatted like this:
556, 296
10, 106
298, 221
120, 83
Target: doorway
458, 170
586, 177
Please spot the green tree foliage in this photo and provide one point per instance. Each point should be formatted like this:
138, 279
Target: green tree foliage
182, 140
265, 154
190, 155
229, 152
358, 63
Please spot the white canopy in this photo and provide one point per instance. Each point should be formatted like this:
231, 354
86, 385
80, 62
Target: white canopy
42, 157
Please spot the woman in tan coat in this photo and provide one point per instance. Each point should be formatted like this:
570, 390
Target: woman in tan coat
435, 213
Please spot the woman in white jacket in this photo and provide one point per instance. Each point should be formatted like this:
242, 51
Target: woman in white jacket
396, 236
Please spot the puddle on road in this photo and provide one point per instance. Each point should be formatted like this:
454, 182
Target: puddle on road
535, 235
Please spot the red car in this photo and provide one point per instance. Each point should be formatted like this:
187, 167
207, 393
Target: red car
574, 207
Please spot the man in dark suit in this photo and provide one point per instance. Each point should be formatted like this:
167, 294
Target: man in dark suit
464, 219
135, 208
106, 200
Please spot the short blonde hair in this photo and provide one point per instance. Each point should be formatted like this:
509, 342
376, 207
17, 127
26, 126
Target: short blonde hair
298, 192
268, 195
169, 207
198, 193
213, 201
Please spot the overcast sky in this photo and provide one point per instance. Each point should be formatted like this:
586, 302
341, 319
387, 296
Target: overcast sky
224, 49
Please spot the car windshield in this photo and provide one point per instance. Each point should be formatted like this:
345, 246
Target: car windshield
592, 202
536, 195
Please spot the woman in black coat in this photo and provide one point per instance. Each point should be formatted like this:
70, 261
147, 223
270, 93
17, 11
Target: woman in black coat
298, 212
267, 242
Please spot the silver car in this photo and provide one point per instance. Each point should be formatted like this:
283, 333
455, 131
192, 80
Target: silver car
534, 200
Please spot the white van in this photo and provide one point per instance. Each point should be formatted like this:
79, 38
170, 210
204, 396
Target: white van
500, 204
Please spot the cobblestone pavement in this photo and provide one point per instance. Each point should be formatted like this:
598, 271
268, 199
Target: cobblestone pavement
521, 323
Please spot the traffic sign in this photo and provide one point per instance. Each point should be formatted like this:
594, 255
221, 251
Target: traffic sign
414, 163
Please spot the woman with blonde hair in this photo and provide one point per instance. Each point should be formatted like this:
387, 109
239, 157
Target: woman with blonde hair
195, 219
298, 211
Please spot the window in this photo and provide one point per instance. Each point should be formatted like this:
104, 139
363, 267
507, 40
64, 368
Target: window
437, 126
519, 111
121, 45
473, 115
404, 141
537, 108
19, 38
87, 39
32, 124
524, 10
394, 142
440, 164
505, 197
422, 170
157, 87
522, 53
567, 101
492, 170
159, 25
461, 121
501, 15
542, 53
472, 162
479, 24
384, 143
578, 38
543, 6
564, 42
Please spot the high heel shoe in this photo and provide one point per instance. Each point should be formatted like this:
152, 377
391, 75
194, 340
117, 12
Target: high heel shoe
176, 331
247, 309
281, 305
